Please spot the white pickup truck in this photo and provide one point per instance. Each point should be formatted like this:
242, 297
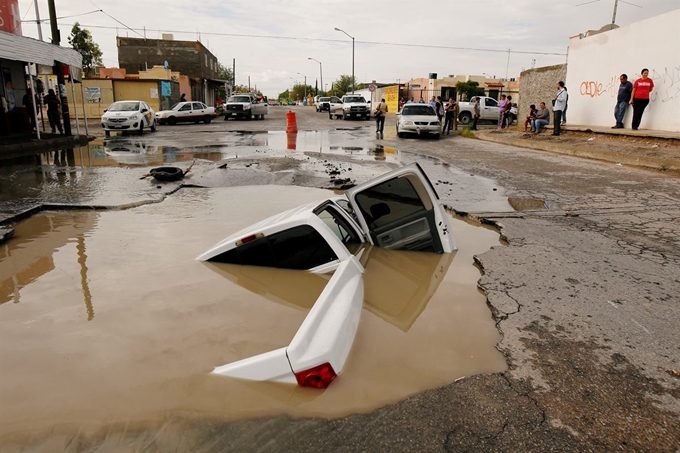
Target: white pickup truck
488, 110
246, 106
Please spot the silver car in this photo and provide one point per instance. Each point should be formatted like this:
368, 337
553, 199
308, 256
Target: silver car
418, 119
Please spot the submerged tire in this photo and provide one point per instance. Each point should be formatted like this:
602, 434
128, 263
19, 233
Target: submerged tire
167, 173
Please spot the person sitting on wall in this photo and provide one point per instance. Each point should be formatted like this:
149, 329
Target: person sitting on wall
530, 117
542, 118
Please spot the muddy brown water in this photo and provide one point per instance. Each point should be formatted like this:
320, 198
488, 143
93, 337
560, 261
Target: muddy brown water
107, 320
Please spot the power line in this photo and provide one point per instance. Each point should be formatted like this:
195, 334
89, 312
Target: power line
110, 16
300, 38
61, 17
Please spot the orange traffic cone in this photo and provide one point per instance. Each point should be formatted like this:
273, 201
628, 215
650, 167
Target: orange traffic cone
292, 140
291, 122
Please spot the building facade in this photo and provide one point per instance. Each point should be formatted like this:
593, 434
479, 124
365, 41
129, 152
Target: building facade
190, 58
596, 61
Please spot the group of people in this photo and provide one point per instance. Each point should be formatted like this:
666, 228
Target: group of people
537, 118
635, 94
52, 101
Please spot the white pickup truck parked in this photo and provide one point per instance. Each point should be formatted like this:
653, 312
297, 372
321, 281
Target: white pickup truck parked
488, 110
246, 106
355, 106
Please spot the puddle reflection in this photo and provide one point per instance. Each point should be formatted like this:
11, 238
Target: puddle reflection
398, 284
115, 323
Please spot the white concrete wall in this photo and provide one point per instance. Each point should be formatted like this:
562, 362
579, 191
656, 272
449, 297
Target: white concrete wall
596, 62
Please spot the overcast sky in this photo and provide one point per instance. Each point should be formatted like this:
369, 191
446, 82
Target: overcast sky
395, 40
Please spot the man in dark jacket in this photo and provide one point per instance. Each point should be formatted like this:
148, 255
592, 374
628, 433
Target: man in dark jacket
53, 102
622, 101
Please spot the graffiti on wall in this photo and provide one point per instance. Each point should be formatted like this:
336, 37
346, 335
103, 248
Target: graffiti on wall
666, 85
594, 88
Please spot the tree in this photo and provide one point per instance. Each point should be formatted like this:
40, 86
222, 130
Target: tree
299, 90
466, 90
225, 73
81, 40
344, 84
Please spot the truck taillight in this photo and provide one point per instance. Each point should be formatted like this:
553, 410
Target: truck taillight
320, 376
247, 239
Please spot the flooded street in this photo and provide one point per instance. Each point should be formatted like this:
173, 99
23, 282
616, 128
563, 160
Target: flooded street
109, 327
109, 172
107, 320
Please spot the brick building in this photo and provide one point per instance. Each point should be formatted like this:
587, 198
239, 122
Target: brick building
190, 58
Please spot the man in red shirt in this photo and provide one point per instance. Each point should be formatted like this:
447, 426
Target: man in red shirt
639, 98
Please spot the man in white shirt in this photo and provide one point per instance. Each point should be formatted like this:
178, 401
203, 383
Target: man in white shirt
558, 107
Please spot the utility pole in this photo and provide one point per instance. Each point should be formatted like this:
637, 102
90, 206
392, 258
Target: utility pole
59, 68
616, 4
37, 19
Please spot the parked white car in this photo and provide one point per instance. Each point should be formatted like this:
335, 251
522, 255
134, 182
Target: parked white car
398, 210
418, 119
128, 116
187, 112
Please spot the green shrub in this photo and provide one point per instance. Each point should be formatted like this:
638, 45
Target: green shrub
467, 132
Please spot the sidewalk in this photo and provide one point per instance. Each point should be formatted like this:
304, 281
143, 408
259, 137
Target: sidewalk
654, 150
23, 144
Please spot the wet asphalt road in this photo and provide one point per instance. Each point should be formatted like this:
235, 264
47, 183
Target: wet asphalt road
585, 293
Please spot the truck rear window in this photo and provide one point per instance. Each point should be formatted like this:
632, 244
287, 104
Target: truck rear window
300, 247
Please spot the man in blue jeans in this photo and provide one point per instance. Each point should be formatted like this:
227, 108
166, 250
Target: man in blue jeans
542, 118
622, 101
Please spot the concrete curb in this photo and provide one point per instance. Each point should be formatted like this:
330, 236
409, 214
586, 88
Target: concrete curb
51, 144
654, 163
5, 234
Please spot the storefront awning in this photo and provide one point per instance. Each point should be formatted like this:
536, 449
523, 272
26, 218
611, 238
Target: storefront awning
218, 81
20, 48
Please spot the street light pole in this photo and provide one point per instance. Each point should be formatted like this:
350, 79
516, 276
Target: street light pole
305, 83
320, 71
343, 31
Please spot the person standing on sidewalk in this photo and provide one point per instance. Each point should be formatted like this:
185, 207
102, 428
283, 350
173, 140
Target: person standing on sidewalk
506, 116
476, 114
380, 112
501, 112
450, 111
558, 107
439, 109
625, 90
53, 102
640, 97
566, 106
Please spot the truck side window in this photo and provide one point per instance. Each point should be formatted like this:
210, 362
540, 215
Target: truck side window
490, 102
339, 226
